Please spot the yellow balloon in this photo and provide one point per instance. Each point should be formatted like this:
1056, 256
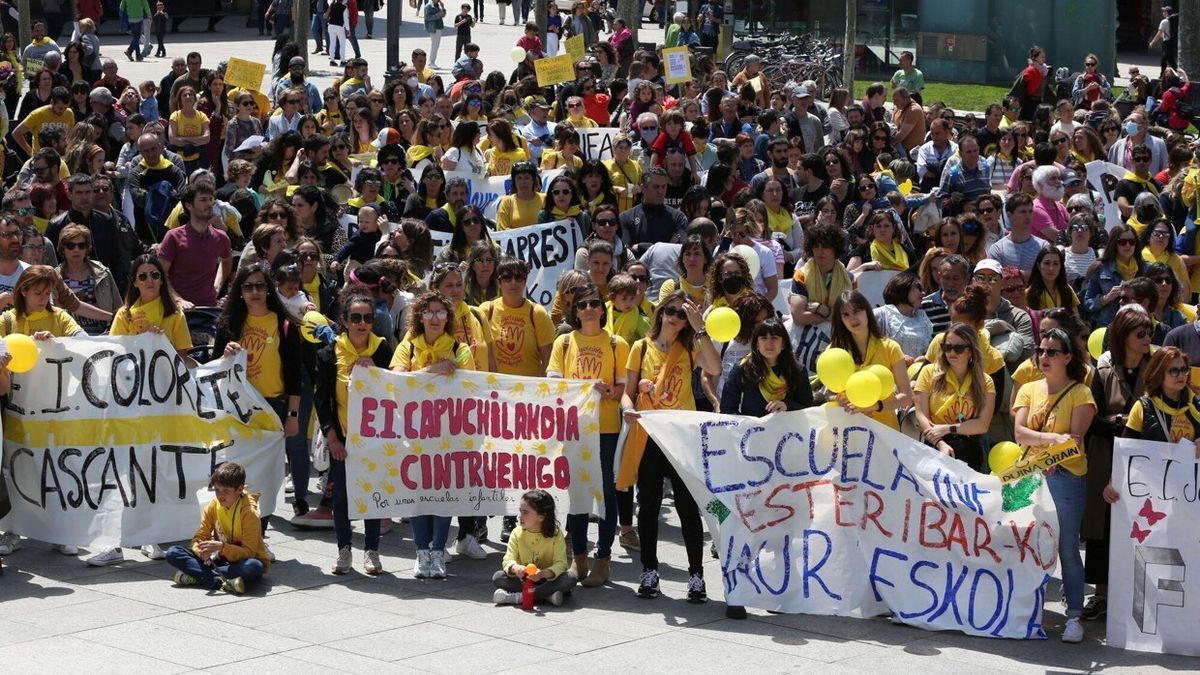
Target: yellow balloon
1003, 455
722, 324
309, 324
24, 352
834, 367
887, 381
863, 389
1096, 342
905, 187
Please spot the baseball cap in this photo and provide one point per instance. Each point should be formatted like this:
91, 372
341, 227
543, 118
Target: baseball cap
387, 136
102, 95
536, 102
297, 62
1070, 178
989, 265
801, 91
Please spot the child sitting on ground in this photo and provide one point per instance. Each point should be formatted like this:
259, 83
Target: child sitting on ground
624, 317
537, 539
227, 550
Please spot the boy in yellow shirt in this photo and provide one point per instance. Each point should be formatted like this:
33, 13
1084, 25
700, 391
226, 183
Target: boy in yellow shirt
625, 318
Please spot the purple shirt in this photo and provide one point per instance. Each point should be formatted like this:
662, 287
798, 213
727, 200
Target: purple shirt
194, 260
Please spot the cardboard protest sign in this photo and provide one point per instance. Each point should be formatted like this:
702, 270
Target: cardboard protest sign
597, 144
1037, 460
469, 444
575, 47
111, 440
820, 512
554, 70
1154, 549
678, 65
1103, 177
245, 74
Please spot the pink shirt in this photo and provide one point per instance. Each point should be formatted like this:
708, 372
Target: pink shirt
1048, 214
194, 259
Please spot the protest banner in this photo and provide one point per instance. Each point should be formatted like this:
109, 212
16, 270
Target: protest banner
597, 144
1103, 177
575, 47
871, 285
554, 70
1038, 460
678, 64
111, 440
469, 444
245, 74
548, 248
808, 342
1154, 541
485, 192
820, 512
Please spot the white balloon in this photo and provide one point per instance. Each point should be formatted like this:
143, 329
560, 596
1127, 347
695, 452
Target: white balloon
750, 256
517, 54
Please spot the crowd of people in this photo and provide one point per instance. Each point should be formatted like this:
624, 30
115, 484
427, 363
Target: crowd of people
221, 216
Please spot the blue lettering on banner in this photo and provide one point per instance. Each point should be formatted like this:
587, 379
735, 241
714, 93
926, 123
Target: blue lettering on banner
705, 453
810, 570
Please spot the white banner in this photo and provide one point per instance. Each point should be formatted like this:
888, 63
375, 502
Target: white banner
1103, 177
1154, 540
486, 192
469, 444
112, 441
548, 248
597, 143
820, 512
871, 285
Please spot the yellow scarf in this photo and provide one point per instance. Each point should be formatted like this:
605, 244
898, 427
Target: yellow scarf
1173, 413
313, 289
773, 387
622, 323
163, 163
416, 153
1146, 182
780, 221
450, 213
424, 354
635, 442
1049, 299
333, 165
955, 406
1080, 158
226, 525
1127, 270
146, 314
346, 356
1152, 257
895, 259
559, 214
696, 293
824, 289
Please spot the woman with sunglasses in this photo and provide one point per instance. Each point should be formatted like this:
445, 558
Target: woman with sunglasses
88, 279
482, 283
469, 228
987, 210
1121, 261
150, 306
605, 226
356, 346
859, 211
319, 291
589, 352
1110, 133
955, 398
562, 202
659, 377
1048, 287
853, 328
1029, 370
1158, 246
1079, 255
1169, 311
882, 250
430, 194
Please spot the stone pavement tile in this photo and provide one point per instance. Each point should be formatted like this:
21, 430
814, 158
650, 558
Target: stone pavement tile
682, 651
68, 654
896, 661
321, 656
617, 622
1025, 655
487, 656
1130, 662
572, 638
505, 621
875, 630
12, 632
334, 624
191, 641
153, 586
788, 640
25, 590
275, 606
224, 632
404, 643
106, 611
361, 590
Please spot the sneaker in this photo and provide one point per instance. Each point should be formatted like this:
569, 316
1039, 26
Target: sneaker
556, 598
318, 518
323, 479
299, 508
236, 585
502, 597
288, 488
65, 550
712, 548
154, 552
371, 562
481, 531
1073, 631
507, 528
423, 569
344, 560
9, 542
648, 588
735, 611
630, 541
697, 594
470, 547
437, 564
109, 556
182, 578
1096, 607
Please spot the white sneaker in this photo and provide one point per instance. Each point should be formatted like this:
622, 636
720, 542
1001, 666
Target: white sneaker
65, 550
154, 552
556, 598
1073, 631
109, 556
288, 488
423, 569
371, 562
469, 546
344, 560
437, 564
502, 597
9, 542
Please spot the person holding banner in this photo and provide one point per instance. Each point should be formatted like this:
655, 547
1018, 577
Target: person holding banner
520, 207
33, 312
855, 330
1050, 412
590, 352
659, 377
955, 398
430, 348
150, 306
562, 202
356, 346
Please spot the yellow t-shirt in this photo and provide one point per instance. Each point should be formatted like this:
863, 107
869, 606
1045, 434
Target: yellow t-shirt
646, 359
696, 293
474, 332
44, 118
952, 404
993, 360
143, 316
408, 358
1181, 426
597, 357
500, 163
513, 213
552, 160
1034, 397
632, 325
885, 352
189, 127
264, 366
54, 320
518, 335
333, 117
624, 176
1029, 372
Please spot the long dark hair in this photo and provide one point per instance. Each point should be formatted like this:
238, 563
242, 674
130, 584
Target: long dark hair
840, 336
1110, 249
686, 334
132, 294
1076, 367
583, 292
1037, 285
458, 240
970, 335
755, 366
542, 504
234, 317
477, 294
590, 167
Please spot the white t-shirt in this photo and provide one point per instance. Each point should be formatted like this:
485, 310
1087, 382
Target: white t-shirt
9, 281
1165, 27
467, 163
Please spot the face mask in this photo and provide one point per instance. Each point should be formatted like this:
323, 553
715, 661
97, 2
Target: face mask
733, 283
412, 81
649, 135
1131, 128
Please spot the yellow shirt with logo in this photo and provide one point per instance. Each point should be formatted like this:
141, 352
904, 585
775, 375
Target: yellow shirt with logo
44, 117
1036, 400
1181, 426
646, 360
189, 127
596, 357
264, 366
518, 336
961, 406
513, 213
54, 321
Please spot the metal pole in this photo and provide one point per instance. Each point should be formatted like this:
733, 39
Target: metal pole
725, 36
394, 9
303, 23
24, 25
849, 45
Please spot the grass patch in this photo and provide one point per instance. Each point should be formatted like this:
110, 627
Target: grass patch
959, 97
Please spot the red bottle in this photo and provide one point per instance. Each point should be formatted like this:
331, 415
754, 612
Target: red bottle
527, 593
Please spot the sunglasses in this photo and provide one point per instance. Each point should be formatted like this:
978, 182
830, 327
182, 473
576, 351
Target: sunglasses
1060, 141
1050, 352
590, 303
865, 187
1090, 64
143, 276
472, 221
1126, 242
954, 349
276, 214
1177, 372
641, 278
831, 162
309, 256
1080, 227
1141, 160
24, 211
1163, 281
879, 138
560, 193
1076, 209
254, 287
1160, 234
74, 246
1142, 334
391, 160
985, 211
676, 312
512, 277
431, 314
247, 104
605, 222
355, 317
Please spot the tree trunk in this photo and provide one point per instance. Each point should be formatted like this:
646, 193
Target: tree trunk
539, 17
630, 12
1189, 41
849, 44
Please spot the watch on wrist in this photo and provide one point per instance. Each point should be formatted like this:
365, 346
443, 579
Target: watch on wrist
954, 428
293, 413
879, 406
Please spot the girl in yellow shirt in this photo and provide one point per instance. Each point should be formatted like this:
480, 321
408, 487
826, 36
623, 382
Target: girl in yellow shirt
150, 306
955, 399
521, 207
565, 154
1048, 287
33, 312
189, 129
854, 329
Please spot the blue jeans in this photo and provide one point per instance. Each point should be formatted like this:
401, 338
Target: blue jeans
318, 28
184, 560
1070, 493
135, 37
353, 43
430, 532
577, 523
341, 511
297, 446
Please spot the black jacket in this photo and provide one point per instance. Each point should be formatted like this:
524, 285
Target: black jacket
742, 397
291, 352
325, 395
